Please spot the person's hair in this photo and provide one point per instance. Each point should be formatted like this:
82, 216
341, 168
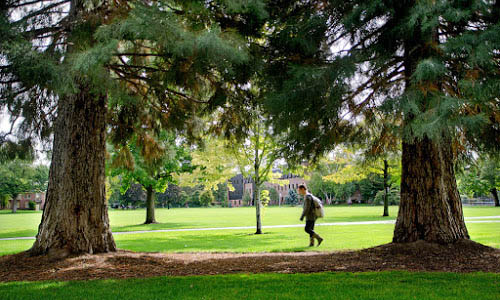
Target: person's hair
302, 187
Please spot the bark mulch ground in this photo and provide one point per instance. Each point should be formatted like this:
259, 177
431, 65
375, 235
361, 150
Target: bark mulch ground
464, 256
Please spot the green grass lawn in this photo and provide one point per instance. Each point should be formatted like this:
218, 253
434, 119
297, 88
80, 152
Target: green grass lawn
380, 285
242, 240
273, 239
26, 223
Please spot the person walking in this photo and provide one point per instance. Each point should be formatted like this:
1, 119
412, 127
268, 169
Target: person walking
310, 214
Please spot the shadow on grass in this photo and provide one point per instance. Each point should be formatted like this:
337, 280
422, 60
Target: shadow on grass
155, 226
19, 233
220, 242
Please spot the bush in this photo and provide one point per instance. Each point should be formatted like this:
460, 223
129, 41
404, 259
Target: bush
393, 196
206, 198
292, 198
247, 199
264, 197
32, 205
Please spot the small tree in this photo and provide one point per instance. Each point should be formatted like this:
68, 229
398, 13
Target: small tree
256, 156
16, 177
184, 199
206, 198
264, 198
274, 195
292, 198
151, 163
221, 194
247, 199
481, 178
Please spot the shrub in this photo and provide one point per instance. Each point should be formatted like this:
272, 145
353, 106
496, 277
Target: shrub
32, 205
393, 197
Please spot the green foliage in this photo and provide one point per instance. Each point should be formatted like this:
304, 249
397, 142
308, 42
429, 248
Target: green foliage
214, 166
206, 198
292, 198
32, 205
264, 198
370, 186
480, 177
4, 201
393, 197
344, 191
19, 176
247, 199
273, 195
425, 62
221, 194
150, 162
184, 199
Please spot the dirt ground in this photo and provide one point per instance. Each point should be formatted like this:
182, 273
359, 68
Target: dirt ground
464, 256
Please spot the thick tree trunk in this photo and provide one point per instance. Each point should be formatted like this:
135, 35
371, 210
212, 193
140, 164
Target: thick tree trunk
494, 192
150, 205
386, 189
430, 206
75, 218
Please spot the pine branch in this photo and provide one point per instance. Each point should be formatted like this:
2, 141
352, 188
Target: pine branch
42, 11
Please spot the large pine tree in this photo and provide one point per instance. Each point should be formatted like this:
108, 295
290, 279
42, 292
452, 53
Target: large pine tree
82, 70
433, 64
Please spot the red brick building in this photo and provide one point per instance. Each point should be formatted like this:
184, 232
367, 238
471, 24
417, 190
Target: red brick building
244, 186
22, 200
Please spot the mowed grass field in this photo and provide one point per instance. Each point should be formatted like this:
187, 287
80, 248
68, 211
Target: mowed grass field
370, 285
327, 285
243, 240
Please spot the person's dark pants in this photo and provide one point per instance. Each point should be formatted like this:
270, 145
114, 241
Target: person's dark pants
310, 228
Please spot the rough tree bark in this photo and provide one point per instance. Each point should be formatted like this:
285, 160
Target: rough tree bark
75, 217
150, 205
386, 189
430, 207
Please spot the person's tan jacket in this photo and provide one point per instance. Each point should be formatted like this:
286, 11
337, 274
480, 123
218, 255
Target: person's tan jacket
308, 211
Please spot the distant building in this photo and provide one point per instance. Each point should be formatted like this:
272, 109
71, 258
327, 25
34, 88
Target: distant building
355, 198
245, 185
22, 200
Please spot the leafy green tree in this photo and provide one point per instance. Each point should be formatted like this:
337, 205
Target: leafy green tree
4, 200
273, 195
491, 174
16, 177
215, 165
247, 199
195, 197
434, 64
170, 197
206, 198
133, 197
151, 163
481, 178
264, 197
184, 199
221, 194
256, 155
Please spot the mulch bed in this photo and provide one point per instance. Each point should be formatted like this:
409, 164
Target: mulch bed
464, 256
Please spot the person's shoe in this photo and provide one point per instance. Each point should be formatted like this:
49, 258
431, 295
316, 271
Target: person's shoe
311, 242
320, 239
